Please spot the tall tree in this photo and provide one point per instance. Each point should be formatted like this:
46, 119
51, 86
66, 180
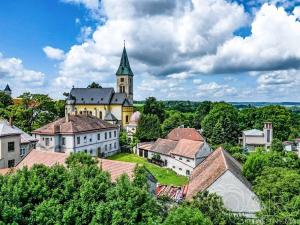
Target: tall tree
227, 115
152, 106
94, 85
218, 135
5, 100
202, 110
148, 128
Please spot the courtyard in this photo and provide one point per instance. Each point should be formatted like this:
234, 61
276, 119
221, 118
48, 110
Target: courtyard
163, 175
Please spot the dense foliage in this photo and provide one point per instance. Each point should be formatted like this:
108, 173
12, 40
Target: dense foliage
148, 128
33, 111
275, 176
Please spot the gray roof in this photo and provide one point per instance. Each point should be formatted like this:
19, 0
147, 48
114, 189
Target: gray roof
98, 96
109, 116
92, 95
7, 130
118, 98
7, 88
25, 138
253, 132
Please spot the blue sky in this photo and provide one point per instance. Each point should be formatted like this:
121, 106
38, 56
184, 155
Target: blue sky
191, 50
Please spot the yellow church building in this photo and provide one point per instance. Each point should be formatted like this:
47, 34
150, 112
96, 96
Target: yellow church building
105, 103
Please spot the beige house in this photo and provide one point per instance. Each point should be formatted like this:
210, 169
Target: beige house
14, 144
182, 150
220, 173
254, 138
79, 133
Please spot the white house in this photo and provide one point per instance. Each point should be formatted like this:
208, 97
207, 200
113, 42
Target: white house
254, 138
181, 151
76, 133
14, 144
220, 173
292, 146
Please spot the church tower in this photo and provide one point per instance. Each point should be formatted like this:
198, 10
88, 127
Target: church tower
125, 77
7, 90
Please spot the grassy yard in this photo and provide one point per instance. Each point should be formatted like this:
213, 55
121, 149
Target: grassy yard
163, 175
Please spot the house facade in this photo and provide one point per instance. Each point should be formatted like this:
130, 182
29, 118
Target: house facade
105, 103
14, 144
254, 138
292, 146
181, 151
220, 173
79, 133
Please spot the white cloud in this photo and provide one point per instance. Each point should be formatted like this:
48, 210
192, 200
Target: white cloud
12, 69
85, 33
215, 90
54, 53
197, 81
273, 45
296, 12
90, 4
161, 38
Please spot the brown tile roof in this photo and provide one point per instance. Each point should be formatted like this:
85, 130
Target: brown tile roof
214, 166
185, 133
76, 124
187, 148
163, 146
115, 168
146, 145
5, 171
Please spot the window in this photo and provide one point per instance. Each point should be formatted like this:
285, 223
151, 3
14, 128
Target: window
122, 89
127, 119
91, 139
43, 139
80, 112
109, 134
63, 141
105, 147
180, 168
173, 167
187, 172
47, 141
11, 146
85, 151
84, 139
22, 151
105, 135
101, 115
187, 160
78, 140
122, 79
115, 133
110, 146
180, 158
91, 152
98, 136
11, 163
115, 145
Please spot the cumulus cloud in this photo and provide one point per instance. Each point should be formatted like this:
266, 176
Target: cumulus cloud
54, 53
273, 45
215, 90
162, 36
12, 70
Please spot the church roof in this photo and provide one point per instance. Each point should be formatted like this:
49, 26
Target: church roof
7, 88
97, 96
124, 67
253, 132
110, 117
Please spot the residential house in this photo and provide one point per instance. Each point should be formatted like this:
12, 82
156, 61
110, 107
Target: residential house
292, 146
254, 138
50, 158
220, 173
76, 133
14, 144
105, 103
182, 150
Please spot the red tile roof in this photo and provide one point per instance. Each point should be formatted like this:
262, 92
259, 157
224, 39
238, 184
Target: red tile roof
187, 148
163, 146
185, 133
115, 168
5, 171
76, 124
214, 166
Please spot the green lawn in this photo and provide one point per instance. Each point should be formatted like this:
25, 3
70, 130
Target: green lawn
163, 175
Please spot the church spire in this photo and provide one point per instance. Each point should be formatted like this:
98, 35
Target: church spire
124, 67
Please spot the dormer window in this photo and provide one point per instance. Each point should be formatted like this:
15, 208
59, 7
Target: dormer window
82, 99
122, 79
92, 99
101, 99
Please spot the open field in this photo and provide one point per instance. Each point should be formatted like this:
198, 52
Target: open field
163, 175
